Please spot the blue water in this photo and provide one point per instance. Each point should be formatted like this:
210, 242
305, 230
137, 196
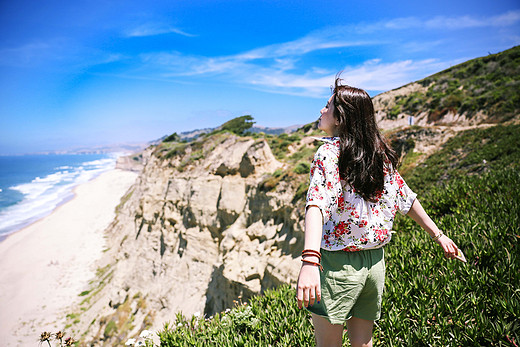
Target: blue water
32, 186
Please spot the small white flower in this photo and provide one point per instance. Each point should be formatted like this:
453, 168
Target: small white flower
146, 334
179, 324
196, 314
228, 310
130, 342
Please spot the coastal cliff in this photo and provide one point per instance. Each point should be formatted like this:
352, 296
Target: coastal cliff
197, 231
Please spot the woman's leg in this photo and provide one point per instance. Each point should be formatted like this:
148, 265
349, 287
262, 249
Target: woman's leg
327, 335
360, 332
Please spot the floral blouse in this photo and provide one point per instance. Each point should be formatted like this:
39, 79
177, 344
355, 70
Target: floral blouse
350, 222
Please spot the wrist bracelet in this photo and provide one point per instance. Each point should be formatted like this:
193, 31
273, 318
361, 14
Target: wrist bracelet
435, 238
313, 263
318, 254
311, 253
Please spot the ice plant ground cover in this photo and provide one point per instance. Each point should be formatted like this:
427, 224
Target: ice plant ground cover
471, 188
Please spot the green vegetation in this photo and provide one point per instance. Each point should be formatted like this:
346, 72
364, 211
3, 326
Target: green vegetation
238, 125
303, 167
489, 84
471, 189
85, 292
110, 329
279, 144
123, 201
269, 320
297, 164
470, 153
172, 138
175, 150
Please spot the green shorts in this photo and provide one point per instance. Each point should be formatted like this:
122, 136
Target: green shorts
351, 285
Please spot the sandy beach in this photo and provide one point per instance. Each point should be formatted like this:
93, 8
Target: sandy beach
45, 266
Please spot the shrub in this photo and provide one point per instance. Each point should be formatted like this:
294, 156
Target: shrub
173, 137
176, 150
269, 320
302, 168
239, 125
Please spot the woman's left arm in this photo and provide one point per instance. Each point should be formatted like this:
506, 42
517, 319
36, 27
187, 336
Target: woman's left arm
418, 214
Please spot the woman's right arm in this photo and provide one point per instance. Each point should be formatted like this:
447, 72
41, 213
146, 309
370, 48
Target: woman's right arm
308, 290
418, 214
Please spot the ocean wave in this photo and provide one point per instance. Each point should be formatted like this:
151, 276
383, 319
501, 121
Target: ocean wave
43, 194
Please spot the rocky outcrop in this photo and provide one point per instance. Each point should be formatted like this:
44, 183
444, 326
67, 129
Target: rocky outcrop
134, 162
194, 240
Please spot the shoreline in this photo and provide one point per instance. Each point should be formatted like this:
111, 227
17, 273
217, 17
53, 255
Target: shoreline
46, 265
4, 237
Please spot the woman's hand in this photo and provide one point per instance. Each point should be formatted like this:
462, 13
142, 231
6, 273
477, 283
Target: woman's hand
418, 214
448, 246
308, 289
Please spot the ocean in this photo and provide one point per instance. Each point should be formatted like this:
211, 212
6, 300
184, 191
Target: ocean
32, 186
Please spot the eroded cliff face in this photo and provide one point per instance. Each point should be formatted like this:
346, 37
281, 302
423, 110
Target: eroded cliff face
194, 235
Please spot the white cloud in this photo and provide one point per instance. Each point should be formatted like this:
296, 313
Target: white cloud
312, 42
506, 19
282, 68
378, 75
155, 29
279, 75
372, 75
60, 51
439, 23
463, 22
30, 53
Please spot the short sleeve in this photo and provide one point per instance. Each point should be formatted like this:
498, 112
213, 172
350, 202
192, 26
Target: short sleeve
405, 196
325, 185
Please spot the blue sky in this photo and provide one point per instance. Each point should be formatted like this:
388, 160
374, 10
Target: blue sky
86, 73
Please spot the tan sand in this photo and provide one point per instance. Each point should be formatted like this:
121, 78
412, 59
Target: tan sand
45, 266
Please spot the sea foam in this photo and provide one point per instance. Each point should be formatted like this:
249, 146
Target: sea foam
43, 194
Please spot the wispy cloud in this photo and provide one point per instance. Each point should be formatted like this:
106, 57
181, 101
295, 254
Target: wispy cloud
29, 53
153, 29
283, 67
442, 22
378, 75
371, 75
503, 20
274, 69
58, 53
316, 41
279, 57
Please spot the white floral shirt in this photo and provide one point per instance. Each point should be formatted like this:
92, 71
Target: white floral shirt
350, 222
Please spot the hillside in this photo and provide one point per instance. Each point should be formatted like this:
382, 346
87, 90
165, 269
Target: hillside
428, 300
482, 90
219, 220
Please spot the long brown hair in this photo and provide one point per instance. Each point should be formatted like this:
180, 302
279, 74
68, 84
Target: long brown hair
363, 150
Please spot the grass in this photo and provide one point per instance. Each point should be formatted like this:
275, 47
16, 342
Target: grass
428, 300
123, 201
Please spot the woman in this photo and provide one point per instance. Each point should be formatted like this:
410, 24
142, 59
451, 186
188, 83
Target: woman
354, 194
